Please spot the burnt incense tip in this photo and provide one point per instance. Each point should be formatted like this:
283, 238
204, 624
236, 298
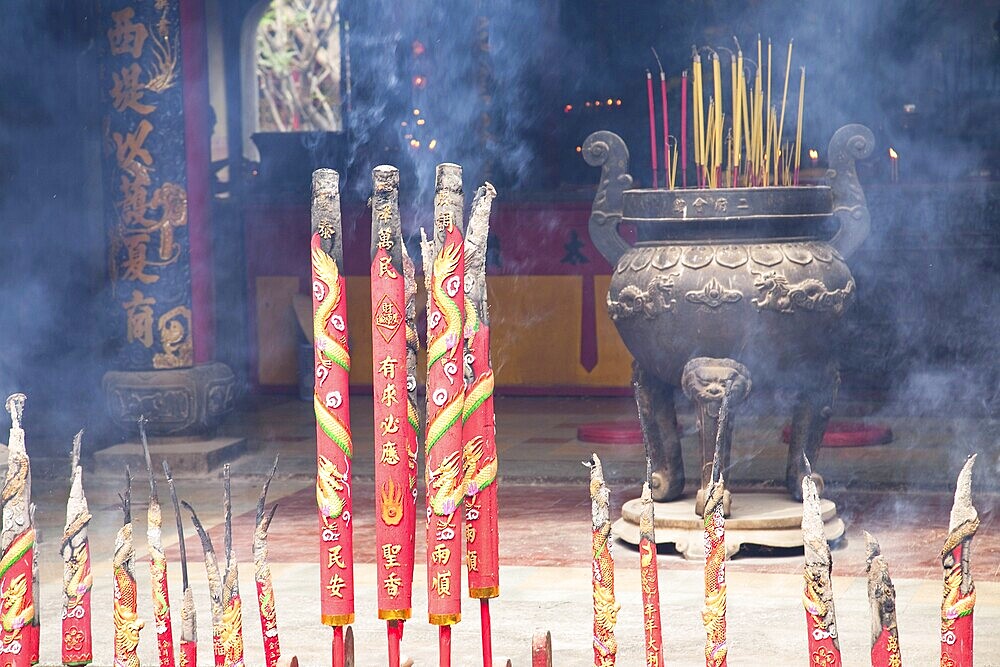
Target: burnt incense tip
15, 406
962, 511
872, 548
448, 178
327, 180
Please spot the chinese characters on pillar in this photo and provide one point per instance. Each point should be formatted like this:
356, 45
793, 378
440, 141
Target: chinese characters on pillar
145, 181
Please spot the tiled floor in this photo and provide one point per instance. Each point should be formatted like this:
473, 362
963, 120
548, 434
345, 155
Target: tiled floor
901, 492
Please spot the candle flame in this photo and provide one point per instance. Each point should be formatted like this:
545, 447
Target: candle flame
433, 144
893, 154
567, 108
813, 154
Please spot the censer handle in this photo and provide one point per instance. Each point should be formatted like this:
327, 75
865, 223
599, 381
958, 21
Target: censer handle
849, 143
608, 151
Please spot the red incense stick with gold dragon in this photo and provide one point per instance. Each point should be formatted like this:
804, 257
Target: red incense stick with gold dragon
713, 614
157, 563
126, 603
223, 587
882, 598
479, 424
262, 575
395, 525
603, 571
77, 639
334, 448
649, 578
189, 627
17, 544
959, 592
821, 619
445, 399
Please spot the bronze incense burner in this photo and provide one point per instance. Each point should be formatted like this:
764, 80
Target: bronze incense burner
720, 281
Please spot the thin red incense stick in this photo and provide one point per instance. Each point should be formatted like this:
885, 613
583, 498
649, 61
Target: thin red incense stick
486, 631
652, 126
393, 632
684, 131
444, 645
666, 121
338, 646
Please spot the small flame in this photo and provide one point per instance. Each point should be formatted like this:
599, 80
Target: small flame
420, 121
567, 108
610, 102
579, 149
893, 155
416, 112
813, 154
414, 143
433, 144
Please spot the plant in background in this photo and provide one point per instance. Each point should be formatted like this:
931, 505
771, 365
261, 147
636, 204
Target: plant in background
298, 66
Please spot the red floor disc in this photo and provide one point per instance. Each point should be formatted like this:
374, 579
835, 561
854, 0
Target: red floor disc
610, 433
849, 434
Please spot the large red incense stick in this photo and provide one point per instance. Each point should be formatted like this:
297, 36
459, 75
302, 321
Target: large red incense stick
714, 612
649, 581
603, 570
821, 620
77, 640
157, 563
262, 576
444, 264
17, 542
479, 425
334, 448
882, 598
126, 621
189, 627
959, 591
684, 132
652, 126
394, 521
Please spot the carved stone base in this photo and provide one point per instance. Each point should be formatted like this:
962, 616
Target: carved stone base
766, 519
177, 402
184, 455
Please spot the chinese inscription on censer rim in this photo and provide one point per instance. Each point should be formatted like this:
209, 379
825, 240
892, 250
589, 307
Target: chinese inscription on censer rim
145, 179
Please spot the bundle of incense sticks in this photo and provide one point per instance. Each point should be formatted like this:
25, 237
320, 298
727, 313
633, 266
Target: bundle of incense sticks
262, 575
444, 268
157, 563
395, 511
479, 424
223, 586
606, 608
77, 640
817, 598
882, 598
334, 447
747, 149
959, 601
126, 603
189, 625
17, 544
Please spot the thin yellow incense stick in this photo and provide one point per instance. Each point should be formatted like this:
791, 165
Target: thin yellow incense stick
784, 93
798, 123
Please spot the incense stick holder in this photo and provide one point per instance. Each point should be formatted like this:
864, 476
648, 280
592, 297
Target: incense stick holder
754, 275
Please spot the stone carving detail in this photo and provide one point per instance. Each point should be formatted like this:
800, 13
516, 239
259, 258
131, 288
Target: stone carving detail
713, 295
608, 151
810, 294
706, 380
797, 253
731, 256
632, 301
698, 256
666, 258
766, 255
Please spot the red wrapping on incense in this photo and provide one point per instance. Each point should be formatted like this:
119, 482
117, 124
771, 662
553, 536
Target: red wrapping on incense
444, 264
126, 604
479, 426
821, 619
189, 633
157, 564
959, 591
395, 525
649, 581
17, 539
77, 640
882, 598
713, 614
262, 576
603, 569
334, 448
